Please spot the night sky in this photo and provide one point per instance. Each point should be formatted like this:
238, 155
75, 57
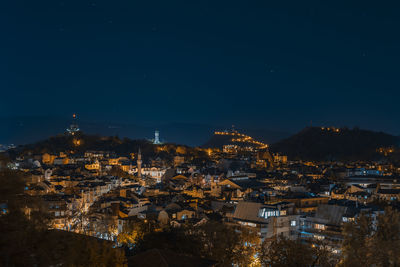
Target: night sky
271, 64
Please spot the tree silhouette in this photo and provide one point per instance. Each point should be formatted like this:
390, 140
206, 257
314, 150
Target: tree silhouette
367, 244
27, 241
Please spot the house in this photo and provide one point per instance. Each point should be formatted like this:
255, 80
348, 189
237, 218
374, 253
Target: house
58, 211
236, 188
48, 159
154, 172
174, 211
93, 166
327, 224
41, 188
194, 191
388, 194
61, 161
179, 160
304, 202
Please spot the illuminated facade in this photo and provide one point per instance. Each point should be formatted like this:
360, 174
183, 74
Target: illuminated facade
93, 166
240, 142
156, 138
269, 220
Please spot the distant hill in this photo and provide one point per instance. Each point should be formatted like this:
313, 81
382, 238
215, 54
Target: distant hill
264, 136
125, 146
217, 141
26, 130
316, 143
63, 143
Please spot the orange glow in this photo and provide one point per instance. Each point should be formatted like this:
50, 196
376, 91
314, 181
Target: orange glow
77, 142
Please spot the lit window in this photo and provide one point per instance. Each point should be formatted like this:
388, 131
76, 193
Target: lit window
292, 223
319, 237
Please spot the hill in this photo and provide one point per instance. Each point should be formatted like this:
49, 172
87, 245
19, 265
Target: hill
217, 141
319, 143
84, 142
233, 137
80, 143
15, 129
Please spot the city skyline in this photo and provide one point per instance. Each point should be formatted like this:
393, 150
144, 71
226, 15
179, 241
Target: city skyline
199, 133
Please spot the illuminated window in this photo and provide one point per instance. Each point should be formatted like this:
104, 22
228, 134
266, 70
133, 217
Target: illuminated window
292, 223
319, 237
264, 213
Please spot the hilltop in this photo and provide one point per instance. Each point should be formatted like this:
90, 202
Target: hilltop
80, 143
233, 137
320, 143
15, 129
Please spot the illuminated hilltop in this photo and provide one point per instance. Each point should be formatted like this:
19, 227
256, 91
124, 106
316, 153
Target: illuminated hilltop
233, 140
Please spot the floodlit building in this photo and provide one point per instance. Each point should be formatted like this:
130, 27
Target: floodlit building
156, 138
269, 220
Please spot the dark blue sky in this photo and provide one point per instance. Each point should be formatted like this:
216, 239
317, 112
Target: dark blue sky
271, 64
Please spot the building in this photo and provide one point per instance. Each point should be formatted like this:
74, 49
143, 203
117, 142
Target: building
48, 159
325, 226
73, 128
93, 166
304, 202
179, 160
388, 194
156, 138
139, 164
269, 220
280, 158
154, 172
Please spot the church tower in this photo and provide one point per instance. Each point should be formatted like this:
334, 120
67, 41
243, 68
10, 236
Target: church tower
139, 164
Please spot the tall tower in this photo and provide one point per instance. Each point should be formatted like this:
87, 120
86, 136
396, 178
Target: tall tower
73, 128
139, 164
156, 137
